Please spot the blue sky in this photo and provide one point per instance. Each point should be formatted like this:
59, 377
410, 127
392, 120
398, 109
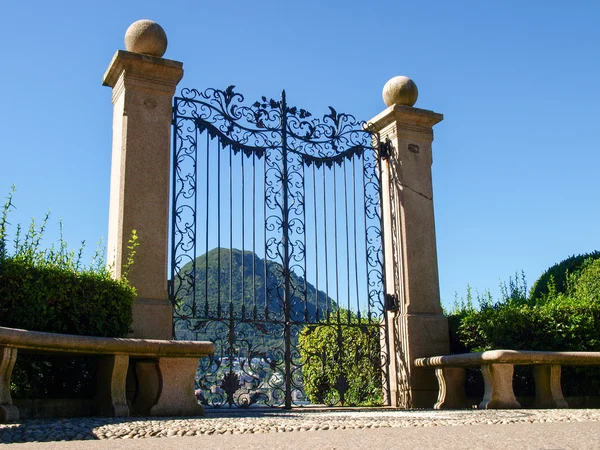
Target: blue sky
516, 159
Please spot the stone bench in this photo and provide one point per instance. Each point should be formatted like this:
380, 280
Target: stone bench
497, 368
161, 371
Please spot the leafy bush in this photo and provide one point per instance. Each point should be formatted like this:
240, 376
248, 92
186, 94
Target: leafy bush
558, 321
515, 291
561, 324
349, 374
556, 275
50, 290
55, 299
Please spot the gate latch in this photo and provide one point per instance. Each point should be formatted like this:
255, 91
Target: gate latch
391, 302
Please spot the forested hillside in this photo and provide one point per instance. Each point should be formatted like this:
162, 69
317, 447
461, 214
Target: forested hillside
246, 286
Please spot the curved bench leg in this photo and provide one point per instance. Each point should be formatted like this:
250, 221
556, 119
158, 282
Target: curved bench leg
148, 386
548, 392
451, 382
499, 394
8, 412
112, 379
176, 397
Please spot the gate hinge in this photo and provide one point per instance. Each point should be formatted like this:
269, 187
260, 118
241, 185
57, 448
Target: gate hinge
171, 290
391, 302
385, 148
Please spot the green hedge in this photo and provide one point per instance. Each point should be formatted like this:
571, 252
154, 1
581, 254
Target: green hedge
54, 299
556, 321
564, 323
60, 300
50, 290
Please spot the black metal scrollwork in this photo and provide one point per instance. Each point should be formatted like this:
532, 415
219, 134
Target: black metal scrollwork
257, 358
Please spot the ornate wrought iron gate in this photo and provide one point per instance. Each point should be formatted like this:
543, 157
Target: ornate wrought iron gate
277, 252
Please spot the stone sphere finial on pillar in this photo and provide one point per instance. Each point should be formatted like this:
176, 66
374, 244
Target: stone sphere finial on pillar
400, 91
146, 37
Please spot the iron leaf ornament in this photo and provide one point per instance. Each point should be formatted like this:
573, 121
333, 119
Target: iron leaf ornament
253, 128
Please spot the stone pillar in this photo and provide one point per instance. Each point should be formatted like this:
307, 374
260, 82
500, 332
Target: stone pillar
417, 328
143, 85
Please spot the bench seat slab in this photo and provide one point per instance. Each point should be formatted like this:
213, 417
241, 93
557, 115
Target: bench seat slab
451, 382
499, 394
548, 392
177, 396
8, 412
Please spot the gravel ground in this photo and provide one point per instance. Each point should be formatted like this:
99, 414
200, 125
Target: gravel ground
272, 421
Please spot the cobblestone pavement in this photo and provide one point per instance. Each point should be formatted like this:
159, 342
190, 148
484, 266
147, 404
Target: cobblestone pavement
273, 421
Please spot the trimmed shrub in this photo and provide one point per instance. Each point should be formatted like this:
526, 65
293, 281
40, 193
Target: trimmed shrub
557, 321
50, 290
60, 300
354, 370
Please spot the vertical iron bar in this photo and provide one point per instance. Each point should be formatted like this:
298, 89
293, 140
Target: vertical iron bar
219, 229
206, 306
231, 334
304, 242
266, 275
335, 245
345, 169
254, 234
358, 314
316, 245
369, 312
340, 340
327, 306
195, 247
286, 254
243, 243
230, 234
171, 285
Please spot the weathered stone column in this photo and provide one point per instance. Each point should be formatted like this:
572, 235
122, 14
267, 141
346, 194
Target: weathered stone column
143, 87
418, 327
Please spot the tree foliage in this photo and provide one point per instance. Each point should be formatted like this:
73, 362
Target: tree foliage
555, 278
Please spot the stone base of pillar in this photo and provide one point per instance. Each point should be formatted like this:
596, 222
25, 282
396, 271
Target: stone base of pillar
416, 336
152, 319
